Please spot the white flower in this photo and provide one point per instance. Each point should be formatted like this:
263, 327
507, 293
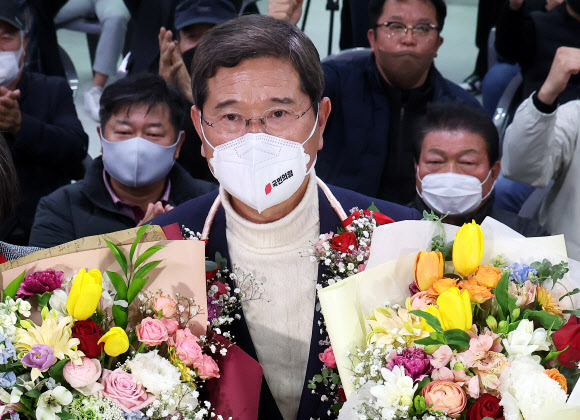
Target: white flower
155, 373
524, 340
58, 302
525, 389
51, 402
397, 389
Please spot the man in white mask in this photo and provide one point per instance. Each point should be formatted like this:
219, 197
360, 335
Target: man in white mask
456, 166
257, 88
136, 177
39, 122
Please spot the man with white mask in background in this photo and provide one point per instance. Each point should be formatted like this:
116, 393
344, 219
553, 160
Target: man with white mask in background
136, 178
40, 124
456, 165
257, 88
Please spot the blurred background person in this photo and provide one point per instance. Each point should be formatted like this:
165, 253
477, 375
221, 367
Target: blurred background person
40, 124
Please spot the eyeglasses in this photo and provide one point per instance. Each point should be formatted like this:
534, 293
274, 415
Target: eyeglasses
399, 30
276, 121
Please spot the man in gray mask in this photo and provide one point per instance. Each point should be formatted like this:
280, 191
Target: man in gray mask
456, 166
136, 178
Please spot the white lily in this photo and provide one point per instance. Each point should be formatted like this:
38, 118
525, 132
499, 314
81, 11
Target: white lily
50, 403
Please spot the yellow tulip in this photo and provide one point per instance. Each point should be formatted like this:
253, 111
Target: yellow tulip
454, 310
85, 294
468, 248
428, 268
116, 341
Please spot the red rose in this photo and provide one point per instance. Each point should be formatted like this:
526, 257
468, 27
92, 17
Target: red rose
568, 335
343, 241
486, 406
221, 288
211, 274
341, 393
380, 218
89, 333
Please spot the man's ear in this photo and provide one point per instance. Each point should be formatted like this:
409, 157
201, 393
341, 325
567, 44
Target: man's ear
439, 43
324, 108
372, 37
495, 169
179, 144
100, 137
195, 114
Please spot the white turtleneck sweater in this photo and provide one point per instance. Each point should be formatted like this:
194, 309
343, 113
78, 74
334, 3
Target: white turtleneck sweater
280, 321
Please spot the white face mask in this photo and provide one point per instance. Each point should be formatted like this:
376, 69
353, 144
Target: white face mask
10, 64
137, 162
452, 193
259, 169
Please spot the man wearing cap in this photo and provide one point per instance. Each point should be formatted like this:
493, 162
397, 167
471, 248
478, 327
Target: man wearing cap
39, 122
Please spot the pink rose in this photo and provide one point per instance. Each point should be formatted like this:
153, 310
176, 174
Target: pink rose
122, 388
171, 324
328, 358
166, 306
83, 377
151, 332
186, 347
445, 396
441, 357
421, 300
207, 368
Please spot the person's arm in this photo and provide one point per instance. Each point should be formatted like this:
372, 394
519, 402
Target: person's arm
60, 140
515, 34
53, 222
540, 142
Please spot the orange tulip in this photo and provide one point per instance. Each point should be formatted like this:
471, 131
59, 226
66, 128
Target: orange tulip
428, 268
487, 276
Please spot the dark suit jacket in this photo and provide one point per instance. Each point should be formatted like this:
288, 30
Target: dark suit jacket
192, 215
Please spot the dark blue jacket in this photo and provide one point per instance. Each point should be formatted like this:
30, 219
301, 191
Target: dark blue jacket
356, 135
192, 215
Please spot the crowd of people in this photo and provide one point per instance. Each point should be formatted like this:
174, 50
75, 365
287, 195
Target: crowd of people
229, 119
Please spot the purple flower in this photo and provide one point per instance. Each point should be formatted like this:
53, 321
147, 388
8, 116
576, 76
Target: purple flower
214, 309
40, 357
413, 288
40, 282
414, 360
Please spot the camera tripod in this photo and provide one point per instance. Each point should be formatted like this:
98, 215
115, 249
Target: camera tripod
332, 6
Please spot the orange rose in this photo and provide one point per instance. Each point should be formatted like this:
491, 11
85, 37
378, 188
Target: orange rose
558, 377
428, 268
487, 276
477, 293
446, 396
441, 285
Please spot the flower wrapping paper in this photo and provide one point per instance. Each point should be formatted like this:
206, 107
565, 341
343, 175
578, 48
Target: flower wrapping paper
390, 270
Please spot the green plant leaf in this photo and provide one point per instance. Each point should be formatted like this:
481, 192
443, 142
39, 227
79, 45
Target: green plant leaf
12, 288
505, 301
546, 319
33, 393
43, 299
430, 319
136, 286
55, 371
119, 255
457, 339
65, 416
138, 237
372, 207
119, 284
573, 292
572, 312
121, 316
210, 266
143, 271
144, 256
221, 261
428, 341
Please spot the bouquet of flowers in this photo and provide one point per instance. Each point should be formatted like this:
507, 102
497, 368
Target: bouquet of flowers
456, 339
105, 347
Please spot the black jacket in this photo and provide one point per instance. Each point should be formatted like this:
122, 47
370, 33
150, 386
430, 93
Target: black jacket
48, 151
357, 135
86, 207
193, 214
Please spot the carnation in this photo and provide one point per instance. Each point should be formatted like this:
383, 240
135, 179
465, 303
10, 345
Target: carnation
154, 372
525, 389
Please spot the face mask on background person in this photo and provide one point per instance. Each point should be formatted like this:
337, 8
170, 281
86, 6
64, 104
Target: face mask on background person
259, 169
452, 193
10, 64
137, 162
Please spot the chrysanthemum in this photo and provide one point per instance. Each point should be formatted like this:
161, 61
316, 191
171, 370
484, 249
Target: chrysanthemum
397, 327
547, 301
156, 374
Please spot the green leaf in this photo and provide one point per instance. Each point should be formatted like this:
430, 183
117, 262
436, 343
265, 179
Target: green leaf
221, 261
55, 371
140, 233
573, 292
430, 319
572, 312
136, 286
318, 378
336, 407
12, 288
210, 266
422, 384
121, 316
505, 301
546, 319
33, 393
143, 271
152, 250
457, 339
335, 379
372, 207
44, 298
119, 255
119, 285
428, 341
65, 416
487, 418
